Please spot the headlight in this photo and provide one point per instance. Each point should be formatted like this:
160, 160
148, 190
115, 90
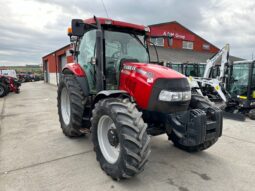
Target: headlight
174, 96
186, 96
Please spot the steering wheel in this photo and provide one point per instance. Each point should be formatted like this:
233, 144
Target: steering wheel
116, 55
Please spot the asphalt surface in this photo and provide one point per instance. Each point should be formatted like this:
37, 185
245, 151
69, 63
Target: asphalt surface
35, 155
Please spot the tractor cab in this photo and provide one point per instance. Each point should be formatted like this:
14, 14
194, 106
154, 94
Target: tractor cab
241, 83
110, 44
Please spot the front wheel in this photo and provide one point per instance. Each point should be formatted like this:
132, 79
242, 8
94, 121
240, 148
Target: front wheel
251, 114
120, 139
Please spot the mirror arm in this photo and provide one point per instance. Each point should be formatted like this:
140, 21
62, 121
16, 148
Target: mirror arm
97, 23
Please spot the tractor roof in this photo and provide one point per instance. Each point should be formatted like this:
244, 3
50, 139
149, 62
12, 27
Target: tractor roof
106, 21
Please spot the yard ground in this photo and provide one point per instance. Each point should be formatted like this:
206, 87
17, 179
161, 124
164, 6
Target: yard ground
35, 155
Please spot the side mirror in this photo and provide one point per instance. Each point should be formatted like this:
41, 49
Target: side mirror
78, 27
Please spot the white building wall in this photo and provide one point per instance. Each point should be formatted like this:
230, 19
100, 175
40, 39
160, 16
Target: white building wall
52, 78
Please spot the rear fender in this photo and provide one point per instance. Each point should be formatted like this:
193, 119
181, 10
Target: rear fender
75, 68
78, 72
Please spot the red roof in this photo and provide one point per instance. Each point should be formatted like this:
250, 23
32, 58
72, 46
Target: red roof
115, 23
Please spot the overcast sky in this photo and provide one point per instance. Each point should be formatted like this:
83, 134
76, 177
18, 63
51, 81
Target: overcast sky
30, 29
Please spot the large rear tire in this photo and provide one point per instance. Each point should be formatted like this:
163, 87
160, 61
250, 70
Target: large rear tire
120, 139
71, 103
3, 90
197, 102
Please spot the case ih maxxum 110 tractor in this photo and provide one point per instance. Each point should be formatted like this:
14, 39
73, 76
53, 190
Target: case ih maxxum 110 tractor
112, 91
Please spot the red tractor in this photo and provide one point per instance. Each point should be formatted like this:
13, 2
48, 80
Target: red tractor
4, 86
8, 84
112, 91
14, 84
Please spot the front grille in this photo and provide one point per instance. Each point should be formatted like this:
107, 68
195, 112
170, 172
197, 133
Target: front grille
178, 85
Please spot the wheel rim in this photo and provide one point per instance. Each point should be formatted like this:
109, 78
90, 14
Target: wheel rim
105, 127
65, 106
1, 90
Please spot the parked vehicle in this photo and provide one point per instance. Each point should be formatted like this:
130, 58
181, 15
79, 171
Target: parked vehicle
11, 73
113, 91
14, 85
24, 77
4, 86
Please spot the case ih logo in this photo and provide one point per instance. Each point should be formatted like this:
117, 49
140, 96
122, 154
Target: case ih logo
127, 67
140, 71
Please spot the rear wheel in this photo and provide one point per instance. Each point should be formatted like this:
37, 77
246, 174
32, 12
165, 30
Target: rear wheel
3, 90
251, 114
197, 102
71, 103
120, 139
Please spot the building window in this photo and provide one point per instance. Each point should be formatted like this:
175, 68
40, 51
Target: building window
158, 41
206, 46
187, 45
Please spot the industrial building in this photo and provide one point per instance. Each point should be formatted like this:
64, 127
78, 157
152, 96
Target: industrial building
54, 62
184, 46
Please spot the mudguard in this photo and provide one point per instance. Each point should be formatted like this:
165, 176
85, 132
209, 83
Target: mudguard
111, 93
73, 68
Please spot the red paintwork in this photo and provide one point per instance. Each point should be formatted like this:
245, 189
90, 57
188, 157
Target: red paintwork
136, 84
75, 68
115, 23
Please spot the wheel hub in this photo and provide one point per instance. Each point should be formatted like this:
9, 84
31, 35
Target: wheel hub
108, 139
65, 106
113, 137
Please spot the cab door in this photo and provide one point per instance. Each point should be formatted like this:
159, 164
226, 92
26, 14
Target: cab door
87, 53
251, 86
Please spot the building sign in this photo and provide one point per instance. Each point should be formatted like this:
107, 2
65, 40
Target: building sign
177, 35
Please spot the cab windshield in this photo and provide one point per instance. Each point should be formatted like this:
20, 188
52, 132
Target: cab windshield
239, 79
195, 70
120, 45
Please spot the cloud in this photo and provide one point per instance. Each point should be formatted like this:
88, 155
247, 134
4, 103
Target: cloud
33, 28
231, 22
